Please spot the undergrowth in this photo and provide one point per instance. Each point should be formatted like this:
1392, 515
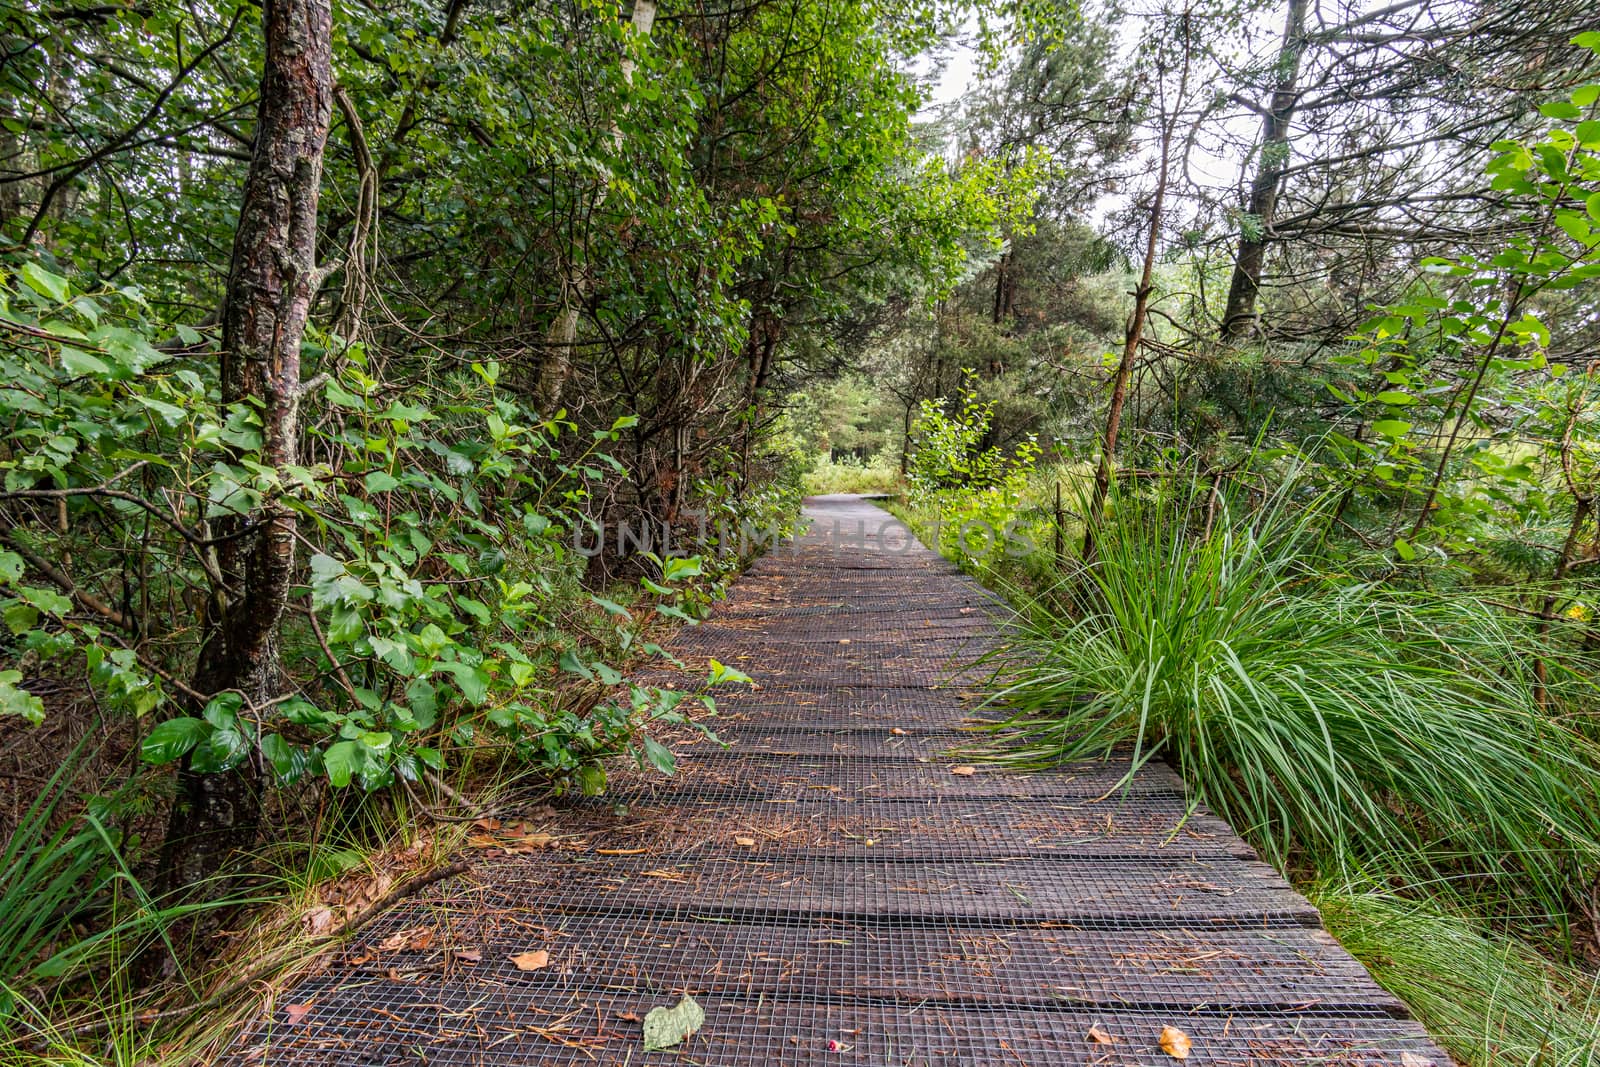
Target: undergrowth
1486, 997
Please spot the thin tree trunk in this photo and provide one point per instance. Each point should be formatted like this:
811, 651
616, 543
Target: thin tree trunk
1461, 414
1002, 280
1239, 314
1136, 323
556, 363
1582, 507
271, 284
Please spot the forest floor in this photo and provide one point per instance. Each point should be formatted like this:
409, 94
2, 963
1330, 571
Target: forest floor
833, 886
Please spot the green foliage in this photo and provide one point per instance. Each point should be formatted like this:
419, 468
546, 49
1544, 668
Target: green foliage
973, 489
1319, 713
439, 525
847, 475
1465, 413
1488, 999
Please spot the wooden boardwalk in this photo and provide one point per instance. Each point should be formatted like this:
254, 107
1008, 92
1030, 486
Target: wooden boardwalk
831, 888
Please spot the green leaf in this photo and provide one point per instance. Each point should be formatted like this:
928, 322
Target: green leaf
722, 673
341, 762
1403, 549
1395, 398
302, 712
472, 681
376, 740
170, 414
665, 1027
660, 756
46, 600
423, 701
332, 584
223, 750
611, 607
222, 711
20, 617
44, 283
78, 363
395, 653
477, 609
17, 701
171, 739
1392, 428
288, 763
675, 568
570, 663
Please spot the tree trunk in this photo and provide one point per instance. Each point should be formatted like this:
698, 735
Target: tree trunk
271, 284
556, 363
1002, 288
1239, 315
1136, 323
1581, 508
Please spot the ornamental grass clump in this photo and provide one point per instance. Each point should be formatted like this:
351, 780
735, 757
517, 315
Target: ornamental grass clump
1320, 713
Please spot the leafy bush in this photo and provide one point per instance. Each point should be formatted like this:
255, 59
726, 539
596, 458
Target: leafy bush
1313, 710
973, 490
435, 608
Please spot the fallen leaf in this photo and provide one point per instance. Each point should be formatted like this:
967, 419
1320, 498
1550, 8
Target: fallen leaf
529, 842
318, 921
297, 1012
665, 1027
663, 872
1411, 1059
414, 938
468, 955
531, 961
747, 842
620, 851
1099, 1036
897, 731
963, 770
1175, 1043
844, 640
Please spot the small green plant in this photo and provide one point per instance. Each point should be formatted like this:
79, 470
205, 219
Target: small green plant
973, 490
1317, 712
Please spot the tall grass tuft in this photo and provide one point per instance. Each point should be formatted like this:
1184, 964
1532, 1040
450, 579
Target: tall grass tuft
71, 913
1490, 1000
1314, 710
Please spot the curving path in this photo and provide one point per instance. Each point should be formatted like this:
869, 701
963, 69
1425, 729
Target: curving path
831, 889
